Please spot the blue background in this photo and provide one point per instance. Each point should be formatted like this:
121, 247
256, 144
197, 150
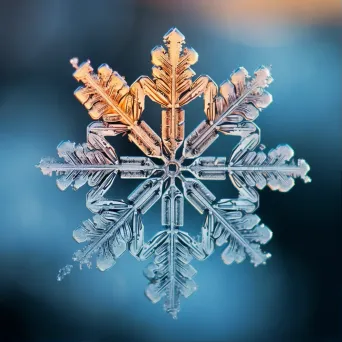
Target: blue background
296, 297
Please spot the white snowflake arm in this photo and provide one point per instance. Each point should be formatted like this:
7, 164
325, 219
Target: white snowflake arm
93, 162
238, 228
170, 274
113, 229
241, 99
277, 169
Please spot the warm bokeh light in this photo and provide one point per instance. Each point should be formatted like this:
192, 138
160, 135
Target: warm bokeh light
244, 11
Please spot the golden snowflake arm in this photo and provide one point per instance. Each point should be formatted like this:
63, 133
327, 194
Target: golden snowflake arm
106, 95
172, 86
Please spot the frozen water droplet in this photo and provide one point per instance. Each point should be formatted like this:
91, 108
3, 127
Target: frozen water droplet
64, 272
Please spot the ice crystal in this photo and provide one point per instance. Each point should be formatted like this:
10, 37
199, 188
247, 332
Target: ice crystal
117, 225
63, 272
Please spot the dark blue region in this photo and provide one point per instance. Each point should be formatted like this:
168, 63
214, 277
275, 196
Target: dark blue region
296, 297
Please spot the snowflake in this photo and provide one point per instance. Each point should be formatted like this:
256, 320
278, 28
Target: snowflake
117, 225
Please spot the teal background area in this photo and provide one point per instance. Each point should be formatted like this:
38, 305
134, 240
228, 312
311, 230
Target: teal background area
296, 297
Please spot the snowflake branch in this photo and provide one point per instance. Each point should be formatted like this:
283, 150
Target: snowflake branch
94, 161
223, 226
107, 95
115, 227
172, 86
277, 169
171, 275
241, 99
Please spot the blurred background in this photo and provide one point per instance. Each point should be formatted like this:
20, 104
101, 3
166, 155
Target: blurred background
296, 297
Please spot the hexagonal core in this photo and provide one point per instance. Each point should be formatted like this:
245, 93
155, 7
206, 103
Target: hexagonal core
172, 169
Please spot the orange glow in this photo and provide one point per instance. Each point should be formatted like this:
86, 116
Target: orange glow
291, 11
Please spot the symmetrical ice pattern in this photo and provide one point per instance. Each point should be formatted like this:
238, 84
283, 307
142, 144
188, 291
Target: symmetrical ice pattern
117, 226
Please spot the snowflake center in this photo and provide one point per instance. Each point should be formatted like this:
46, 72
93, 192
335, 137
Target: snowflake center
172, 168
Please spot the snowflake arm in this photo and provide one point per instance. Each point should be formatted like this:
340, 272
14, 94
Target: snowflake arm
94, 161
241, 99
237, 228
248, 169
277, 169
172, 86
106, 95
171, 274
111, 230
84, 163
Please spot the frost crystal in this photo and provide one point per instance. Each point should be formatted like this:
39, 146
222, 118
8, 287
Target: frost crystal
117, 225
64, 272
